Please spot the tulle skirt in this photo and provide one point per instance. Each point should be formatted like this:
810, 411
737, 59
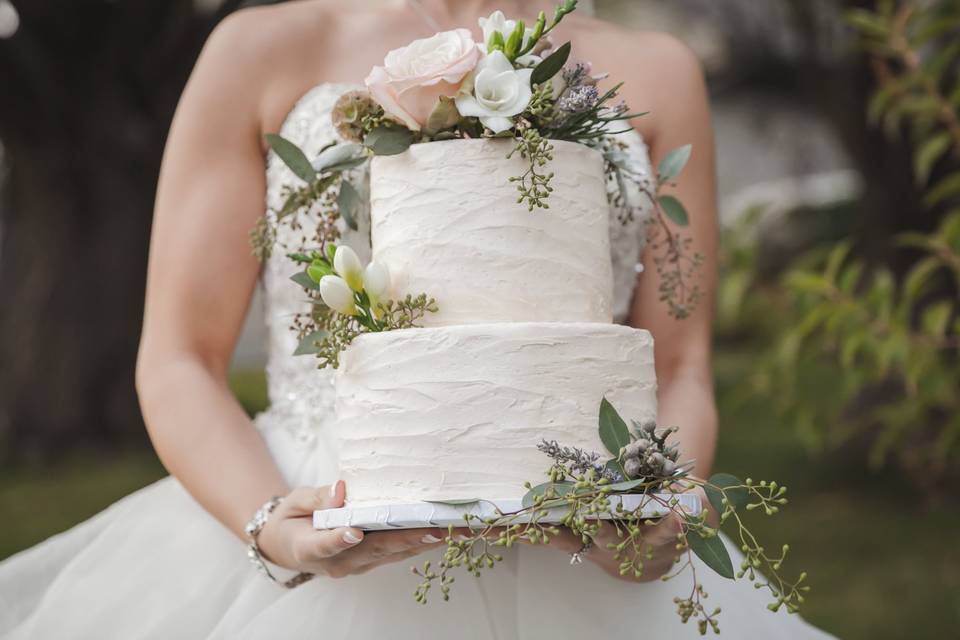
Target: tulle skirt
156, 565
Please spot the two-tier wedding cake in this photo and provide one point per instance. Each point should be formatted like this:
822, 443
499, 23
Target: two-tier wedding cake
523, 346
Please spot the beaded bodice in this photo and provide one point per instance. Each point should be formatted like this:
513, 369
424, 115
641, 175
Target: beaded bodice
301, 396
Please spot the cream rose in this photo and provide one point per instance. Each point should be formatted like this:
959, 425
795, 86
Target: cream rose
495, 92
413, 78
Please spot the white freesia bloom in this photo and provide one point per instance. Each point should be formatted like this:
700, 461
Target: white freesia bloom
347, 265
498, 22
337, 295
495, 92
376, 280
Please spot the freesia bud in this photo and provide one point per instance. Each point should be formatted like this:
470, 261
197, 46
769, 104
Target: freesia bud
347, 264
376, 280
337, 295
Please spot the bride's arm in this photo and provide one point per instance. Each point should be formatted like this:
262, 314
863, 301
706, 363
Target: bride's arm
200, 280
680, 114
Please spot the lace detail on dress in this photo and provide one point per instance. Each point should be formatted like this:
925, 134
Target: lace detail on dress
302, 396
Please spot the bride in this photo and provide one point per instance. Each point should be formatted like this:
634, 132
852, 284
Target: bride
169, 561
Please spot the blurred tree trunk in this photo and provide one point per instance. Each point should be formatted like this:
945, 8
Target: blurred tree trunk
89, 89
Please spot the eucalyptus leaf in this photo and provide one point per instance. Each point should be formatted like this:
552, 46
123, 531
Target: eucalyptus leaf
673, 163
340, 157
303, 279
308, 346
292, 156
388, 141
560, 488
613, 430
625, 486
713, 553
674, 210
348, 203
551, 65
720, 482
455, 503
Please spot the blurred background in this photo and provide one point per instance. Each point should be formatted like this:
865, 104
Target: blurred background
838, 126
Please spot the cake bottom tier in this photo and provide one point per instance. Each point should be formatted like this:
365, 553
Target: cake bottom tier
457, 412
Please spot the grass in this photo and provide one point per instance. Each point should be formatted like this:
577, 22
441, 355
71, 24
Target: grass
882, 563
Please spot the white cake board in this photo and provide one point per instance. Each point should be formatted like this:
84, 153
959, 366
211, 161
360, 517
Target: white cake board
418, 515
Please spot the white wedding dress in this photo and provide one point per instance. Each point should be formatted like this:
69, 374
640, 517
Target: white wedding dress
156, 565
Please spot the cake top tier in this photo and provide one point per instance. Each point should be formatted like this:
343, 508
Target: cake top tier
446, 222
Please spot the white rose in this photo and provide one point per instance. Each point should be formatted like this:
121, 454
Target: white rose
413, 78
347, 264
337, 295
495, 92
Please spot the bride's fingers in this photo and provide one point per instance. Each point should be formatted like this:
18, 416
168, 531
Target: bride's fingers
317, 546
303, 501
379, 547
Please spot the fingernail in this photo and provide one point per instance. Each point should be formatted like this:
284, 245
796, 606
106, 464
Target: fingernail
333, 488
349, 538
429, 539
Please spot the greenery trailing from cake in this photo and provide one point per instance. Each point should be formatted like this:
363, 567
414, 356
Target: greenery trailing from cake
515, 85
587, 486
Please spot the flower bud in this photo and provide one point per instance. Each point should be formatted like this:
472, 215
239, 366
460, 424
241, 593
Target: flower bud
632, 467
337, 295
348, 266
376, 280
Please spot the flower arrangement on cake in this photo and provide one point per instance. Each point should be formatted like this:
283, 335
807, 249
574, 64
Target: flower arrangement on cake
466, 146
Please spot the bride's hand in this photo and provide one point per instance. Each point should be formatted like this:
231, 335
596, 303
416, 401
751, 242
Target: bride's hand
661, 538
289, 539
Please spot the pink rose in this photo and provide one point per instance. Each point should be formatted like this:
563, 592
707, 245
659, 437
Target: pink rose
413, 78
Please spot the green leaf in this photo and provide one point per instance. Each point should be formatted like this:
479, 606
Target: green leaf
340, 157
918, 278
560, 489
947, 188
674, 210
936, 317
308, 346
625, 486
613, 430
878, 104
388, 141
551, 65
673, 163
455, 503
928, 154
723, 482
835, 260
867, 23
348, 203
713, 553
303, 279
292, 156
331, 252
317, 270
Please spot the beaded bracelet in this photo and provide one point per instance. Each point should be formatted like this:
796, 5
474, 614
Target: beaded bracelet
253, 529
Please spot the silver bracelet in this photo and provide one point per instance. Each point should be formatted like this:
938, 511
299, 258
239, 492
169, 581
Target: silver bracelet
253, 529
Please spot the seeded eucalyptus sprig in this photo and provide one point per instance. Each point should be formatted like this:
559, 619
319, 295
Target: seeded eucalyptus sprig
586, 490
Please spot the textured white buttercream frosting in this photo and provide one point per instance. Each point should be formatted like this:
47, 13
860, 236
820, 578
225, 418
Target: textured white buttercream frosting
446, 222
457, 412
